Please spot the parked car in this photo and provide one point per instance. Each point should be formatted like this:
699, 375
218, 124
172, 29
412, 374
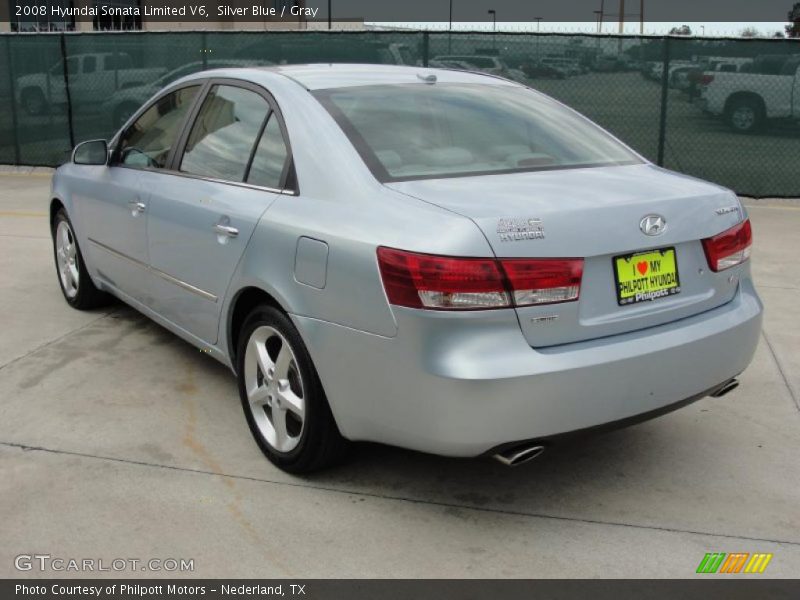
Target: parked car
122, 104
92, 77
487, 64
439, 260
610, 63
757, 93
280, 50
540, 70
450, 64
567, 65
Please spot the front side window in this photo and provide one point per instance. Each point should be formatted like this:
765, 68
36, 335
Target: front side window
224, 133
148, 142
269, 161
419, 131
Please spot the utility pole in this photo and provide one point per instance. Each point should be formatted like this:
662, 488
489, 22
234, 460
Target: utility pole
621, 17
450, 26
602, 13
538, 22
494, 28
450, 30
330, 17
641, 17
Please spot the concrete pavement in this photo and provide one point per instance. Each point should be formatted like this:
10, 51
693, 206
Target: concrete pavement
118, 440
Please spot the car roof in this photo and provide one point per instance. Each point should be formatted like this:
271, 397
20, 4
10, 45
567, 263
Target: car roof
323, 76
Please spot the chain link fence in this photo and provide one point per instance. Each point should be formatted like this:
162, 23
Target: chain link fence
726, 110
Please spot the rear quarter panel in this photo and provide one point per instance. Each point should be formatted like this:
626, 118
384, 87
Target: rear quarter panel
341, 204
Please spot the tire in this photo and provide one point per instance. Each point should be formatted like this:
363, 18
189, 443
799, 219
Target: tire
73, 278
745, 115
33, 101
286, 408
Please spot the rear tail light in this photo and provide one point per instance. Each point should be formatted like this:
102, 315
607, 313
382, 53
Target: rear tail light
448, 283
729, 248
705, 79
544, 280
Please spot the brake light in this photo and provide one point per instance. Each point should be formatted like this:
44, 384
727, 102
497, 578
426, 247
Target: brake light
544, 280
705, 79
448, 283
729, 248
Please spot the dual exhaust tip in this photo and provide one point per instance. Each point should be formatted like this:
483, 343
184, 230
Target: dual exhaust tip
517, 455
726, 388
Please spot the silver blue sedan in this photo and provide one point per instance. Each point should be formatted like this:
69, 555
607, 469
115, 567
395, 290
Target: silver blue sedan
440, 260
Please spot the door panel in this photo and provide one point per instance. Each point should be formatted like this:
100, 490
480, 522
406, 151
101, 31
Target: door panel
116, 227
201, 221
192, 254
116, 199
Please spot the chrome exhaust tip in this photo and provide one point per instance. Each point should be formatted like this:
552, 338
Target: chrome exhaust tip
518, 454
726, 388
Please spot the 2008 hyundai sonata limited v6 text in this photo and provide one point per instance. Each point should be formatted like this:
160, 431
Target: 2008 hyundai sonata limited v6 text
440, 260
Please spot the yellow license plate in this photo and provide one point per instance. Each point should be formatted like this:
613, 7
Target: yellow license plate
646, 276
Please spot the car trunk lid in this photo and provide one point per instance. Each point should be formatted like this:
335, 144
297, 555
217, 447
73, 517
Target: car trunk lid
595, 214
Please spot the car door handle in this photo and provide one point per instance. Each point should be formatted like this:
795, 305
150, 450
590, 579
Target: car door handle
137, 207
226, 230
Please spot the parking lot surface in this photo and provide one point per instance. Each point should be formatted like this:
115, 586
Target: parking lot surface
118, 440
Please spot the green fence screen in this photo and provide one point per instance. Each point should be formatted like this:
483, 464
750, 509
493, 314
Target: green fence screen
726, 110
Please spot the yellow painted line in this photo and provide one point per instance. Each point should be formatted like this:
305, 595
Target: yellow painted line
21, 213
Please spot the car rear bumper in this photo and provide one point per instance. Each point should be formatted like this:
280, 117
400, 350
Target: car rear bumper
459, 385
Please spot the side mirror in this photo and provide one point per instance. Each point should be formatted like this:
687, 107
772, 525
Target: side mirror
93, 152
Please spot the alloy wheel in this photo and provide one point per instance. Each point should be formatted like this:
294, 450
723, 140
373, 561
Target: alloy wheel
274, 388
67, 258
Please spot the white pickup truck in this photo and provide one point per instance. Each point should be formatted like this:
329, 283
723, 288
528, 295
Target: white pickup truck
746, 100
92, 78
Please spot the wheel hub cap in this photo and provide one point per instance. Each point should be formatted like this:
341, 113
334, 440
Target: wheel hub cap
67, 259
274, 388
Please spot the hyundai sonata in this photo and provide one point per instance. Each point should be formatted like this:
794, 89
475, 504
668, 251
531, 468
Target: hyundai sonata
440, 260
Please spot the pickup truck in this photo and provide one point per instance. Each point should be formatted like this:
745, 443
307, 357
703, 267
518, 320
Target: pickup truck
92, 78
123, 103
747, 99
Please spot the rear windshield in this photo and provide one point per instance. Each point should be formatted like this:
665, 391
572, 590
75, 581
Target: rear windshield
423, 131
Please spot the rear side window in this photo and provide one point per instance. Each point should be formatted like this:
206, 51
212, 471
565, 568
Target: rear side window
270, 158
147, 143
224, 133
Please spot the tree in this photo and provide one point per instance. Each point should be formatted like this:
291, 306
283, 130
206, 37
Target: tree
682, 30
793, 28
749, 32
